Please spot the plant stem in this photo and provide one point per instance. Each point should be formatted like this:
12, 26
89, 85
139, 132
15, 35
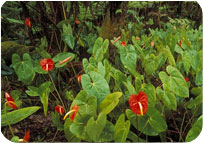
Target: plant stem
75, 74
55, 136
57, 91
8, 121
64, 11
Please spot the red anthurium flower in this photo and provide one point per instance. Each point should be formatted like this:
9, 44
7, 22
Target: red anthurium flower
77, 21
59, 109
28, 22
186, 79
139, 103
180, 43
116, 40
123, 43
9, 100
65, 60
152, 43
47, 64
79, 78
75, 108
74, 111
26, 136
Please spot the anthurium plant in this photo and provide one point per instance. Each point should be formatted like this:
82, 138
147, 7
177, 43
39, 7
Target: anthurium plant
130, 88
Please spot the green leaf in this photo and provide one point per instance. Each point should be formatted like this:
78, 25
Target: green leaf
141, 123
107, 133
44, 91
68, 36
78, 127
199, 78
100, 48
195, 102
24, 69
95, 128
32, 91
194, 132
87, 104
187, 61
41, 50
15, 139
62, 56
95, 85
156, 121
151, 93
108, 67
121, 129
132, 136
17, 115
110, 102
170, 57
167, 98
195, 61
129, 58
150, 64
56, 120
67, 131
175, 82
130, 87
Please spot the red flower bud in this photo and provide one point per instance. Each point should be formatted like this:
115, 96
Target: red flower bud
123, 43
11, 103
186, 79
28, 22
77, 21
152, 43
59, 109
27, 136
180, 43
79, 78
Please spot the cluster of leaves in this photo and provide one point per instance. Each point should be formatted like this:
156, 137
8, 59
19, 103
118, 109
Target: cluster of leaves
156, 64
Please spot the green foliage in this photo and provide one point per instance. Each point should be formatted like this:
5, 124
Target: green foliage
95, 85
23, 68
62, 56
195, 130
121, 129
43, 92
110, 102
17, 115
68, 36
56, 121
174, 83
95, 128
100, 49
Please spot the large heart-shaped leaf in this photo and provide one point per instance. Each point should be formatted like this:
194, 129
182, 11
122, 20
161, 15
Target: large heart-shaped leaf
95, 85
110, 102
17, 115
195, 130
68, 36
151, 93
132, 136
100, 48
175, 82
24, 69
150, 63
156, 121
87, 104
187, 61
167, 98
107, 133
121, 129
141, 123
129, 58
95, 128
